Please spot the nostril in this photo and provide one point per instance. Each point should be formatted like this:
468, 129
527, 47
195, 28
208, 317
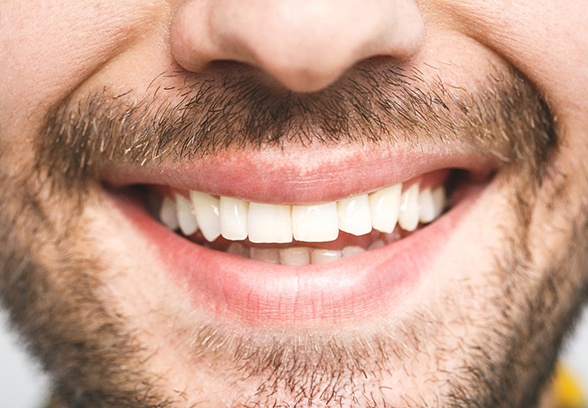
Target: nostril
304, 45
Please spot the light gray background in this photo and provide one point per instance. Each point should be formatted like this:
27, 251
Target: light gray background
22, 385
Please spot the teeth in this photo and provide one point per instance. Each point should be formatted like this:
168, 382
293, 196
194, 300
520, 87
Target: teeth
239, 220
269, 255
299, 256
385, 205
207, 209
408, 217
440, 200
427, 210
354, 215
238, 249
315, 223
319, 256
352, 251
186, 219
270, 223
233, 218
377, 245
168, 213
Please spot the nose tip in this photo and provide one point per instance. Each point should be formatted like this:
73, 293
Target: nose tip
305, 45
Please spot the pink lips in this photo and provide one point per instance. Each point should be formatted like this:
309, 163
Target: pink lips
255, 293
304, 176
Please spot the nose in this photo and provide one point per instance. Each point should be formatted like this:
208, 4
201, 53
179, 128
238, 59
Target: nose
305, 45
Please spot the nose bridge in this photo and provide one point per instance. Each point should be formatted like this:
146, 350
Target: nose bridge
303, 44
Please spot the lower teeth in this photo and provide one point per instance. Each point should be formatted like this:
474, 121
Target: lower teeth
296, 256
299, 255
293, 255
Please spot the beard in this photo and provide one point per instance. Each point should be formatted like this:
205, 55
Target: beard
53, 273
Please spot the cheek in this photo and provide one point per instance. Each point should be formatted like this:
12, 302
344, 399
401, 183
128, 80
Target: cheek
50, 48
548, 43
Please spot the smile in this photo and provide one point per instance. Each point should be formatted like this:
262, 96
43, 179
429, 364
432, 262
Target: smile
350, 226
277, 247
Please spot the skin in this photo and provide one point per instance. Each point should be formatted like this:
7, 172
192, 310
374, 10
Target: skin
481, 328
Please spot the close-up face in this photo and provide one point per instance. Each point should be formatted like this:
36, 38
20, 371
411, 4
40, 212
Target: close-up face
213, 203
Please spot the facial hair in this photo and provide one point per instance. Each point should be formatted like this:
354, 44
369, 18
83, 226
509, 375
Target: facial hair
50, 278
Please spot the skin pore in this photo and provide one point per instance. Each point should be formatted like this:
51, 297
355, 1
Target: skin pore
482, 329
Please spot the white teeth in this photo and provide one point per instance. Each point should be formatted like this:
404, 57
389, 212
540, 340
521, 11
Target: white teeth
426, 206
352, 251
377, 245
186, 219
168, 213
319, 256
408, 217
385, 205
270, 223
239, 220
269, 255
298, 256
207, 209
233, 218
440, 200
355, 215
315, 223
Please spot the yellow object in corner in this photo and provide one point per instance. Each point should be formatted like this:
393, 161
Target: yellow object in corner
568, 390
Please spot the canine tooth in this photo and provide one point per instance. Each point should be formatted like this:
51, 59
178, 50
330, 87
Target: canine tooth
238, 249
384, 205
440, 200
352, 251
269, 255
268, 223
408, 216
168, 213
207, 212
186, 218
427, 211
319, 256
298, 256
354, 215
315, 223
233, 218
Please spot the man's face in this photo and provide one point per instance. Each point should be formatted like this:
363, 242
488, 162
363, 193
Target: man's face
281, 203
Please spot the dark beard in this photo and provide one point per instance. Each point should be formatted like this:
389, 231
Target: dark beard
49, 278
504, 116
546, 312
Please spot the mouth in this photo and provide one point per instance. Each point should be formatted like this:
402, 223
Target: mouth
264, 248
299, 235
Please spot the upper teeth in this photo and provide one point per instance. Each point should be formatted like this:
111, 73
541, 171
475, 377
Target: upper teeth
237, 219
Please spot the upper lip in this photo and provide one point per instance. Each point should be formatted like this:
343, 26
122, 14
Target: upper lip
302, 175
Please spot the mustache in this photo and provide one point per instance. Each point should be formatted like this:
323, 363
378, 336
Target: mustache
504, 115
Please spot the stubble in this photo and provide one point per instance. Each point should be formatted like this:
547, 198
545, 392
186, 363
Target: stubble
50, 278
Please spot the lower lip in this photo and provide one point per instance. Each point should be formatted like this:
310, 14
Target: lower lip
260, 294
